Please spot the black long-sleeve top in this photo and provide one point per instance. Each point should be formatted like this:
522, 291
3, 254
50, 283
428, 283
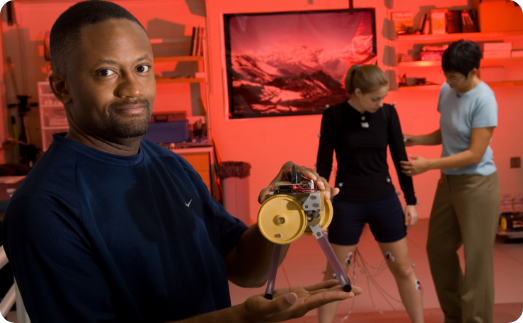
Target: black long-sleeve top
363, 172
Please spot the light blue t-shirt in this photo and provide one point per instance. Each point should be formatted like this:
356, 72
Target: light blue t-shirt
476, 108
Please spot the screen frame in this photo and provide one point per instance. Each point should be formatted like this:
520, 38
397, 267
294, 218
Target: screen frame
229, 91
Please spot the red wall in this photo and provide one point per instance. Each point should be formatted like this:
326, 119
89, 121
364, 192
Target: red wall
263, 144
261, 141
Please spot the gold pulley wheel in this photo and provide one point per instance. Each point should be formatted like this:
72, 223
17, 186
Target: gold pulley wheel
281, 219
325, 217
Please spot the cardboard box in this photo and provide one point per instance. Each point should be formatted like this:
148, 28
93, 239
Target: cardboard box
438, 20
492, 74
497, 46
431, 56
404, 58
517, 53
168, 116
497, 54
402, 21
500, 15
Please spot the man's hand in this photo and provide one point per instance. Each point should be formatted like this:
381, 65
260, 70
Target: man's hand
322, 183
411, 216
409, 140
294, 302
418, 165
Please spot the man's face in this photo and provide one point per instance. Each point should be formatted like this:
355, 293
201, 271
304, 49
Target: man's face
111, 81
458, 81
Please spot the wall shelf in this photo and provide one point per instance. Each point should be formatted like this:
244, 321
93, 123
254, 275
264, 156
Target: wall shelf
170, 40
438, 63
506, 83
161, 80
51, 106
177, 59
438, 87
164, 59
419, 88
65, 128
457, 36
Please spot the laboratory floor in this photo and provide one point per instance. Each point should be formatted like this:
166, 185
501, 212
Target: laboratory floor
305, 261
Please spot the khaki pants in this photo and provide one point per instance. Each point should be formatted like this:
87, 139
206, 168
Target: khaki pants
465, 212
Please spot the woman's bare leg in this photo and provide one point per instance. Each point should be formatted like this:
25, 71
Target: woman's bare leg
326, 313
398, 260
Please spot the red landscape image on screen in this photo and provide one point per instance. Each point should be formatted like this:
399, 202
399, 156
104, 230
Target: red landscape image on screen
294, 63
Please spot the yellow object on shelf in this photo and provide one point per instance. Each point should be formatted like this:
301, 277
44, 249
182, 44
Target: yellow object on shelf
504, 224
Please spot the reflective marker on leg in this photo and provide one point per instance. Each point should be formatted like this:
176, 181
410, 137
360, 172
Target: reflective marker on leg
331, 257
349, 258
269, 291
389, 256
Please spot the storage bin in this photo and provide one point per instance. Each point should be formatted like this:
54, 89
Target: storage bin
168, 132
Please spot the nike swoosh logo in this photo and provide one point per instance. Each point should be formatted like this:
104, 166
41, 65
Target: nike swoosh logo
188, 204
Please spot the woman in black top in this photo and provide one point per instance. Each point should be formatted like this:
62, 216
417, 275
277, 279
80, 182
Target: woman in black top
359, 130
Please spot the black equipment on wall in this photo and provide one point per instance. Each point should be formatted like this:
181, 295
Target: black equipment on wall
10, 15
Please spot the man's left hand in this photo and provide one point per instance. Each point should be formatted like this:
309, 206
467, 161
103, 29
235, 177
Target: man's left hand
418, 165
294, 302
322, 183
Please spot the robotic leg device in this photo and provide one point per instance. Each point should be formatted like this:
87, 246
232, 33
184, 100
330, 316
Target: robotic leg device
295, 208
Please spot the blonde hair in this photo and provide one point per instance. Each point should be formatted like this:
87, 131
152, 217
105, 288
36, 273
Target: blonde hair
367, 78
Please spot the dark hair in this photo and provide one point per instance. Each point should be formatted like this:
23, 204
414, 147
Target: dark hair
462, 56
367, 78
66, 32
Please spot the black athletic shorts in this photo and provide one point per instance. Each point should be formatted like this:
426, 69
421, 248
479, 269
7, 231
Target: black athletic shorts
385, 218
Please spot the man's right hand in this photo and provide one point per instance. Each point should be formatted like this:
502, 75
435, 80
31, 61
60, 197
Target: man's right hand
294, 302
409, 140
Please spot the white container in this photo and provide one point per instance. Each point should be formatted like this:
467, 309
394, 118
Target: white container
497, 53
52, 114
497, 46
49, 100
517, 53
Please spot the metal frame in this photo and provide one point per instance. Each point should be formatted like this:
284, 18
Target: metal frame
12, 296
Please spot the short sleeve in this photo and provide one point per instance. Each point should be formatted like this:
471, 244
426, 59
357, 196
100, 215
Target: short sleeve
485, 113
230, 228
441, 91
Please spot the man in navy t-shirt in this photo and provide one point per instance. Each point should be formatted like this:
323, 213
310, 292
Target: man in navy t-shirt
111, 228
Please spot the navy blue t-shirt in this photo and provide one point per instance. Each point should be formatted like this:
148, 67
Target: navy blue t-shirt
95, 237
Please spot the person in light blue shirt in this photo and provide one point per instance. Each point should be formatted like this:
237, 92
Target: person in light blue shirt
466, 206
461, 114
